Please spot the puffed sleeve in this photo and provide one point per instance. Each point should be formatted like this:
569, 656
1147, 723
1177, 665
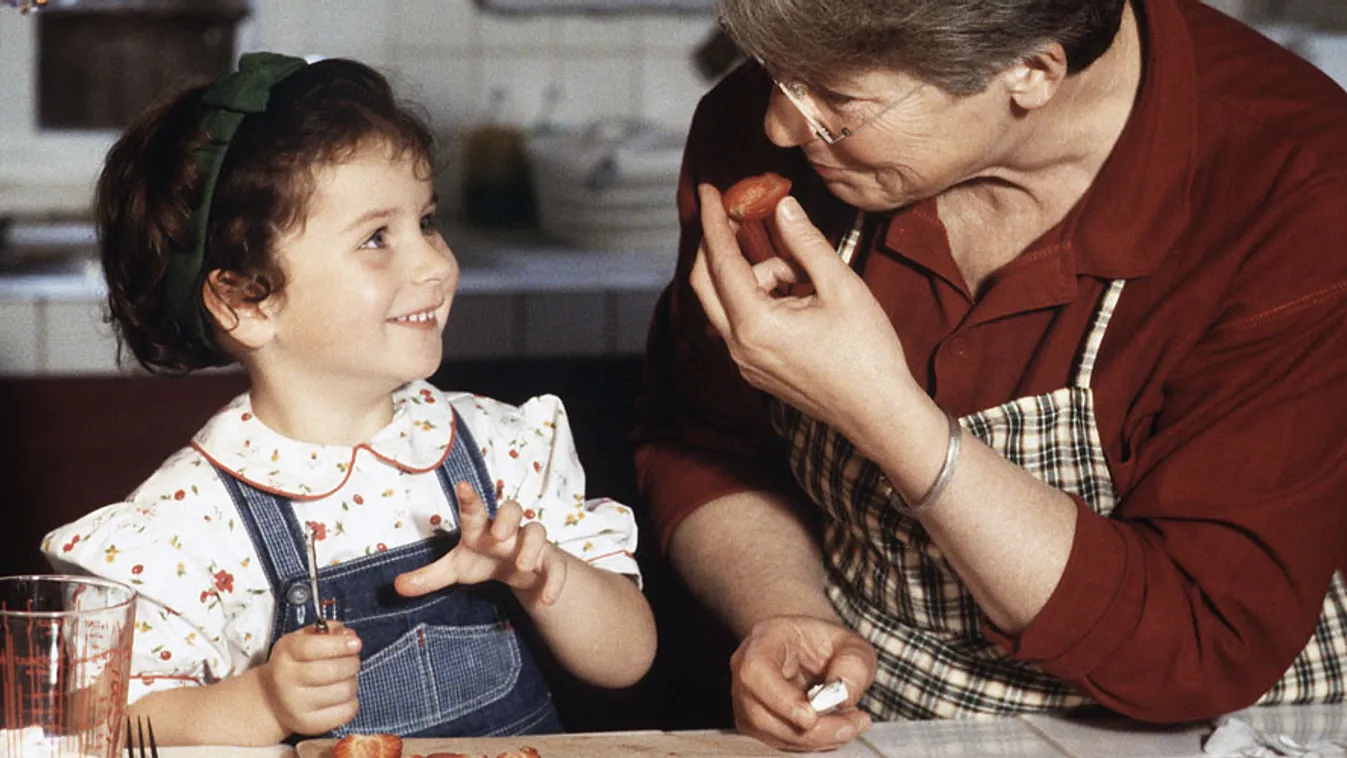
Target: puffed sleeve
203, 607
531, 455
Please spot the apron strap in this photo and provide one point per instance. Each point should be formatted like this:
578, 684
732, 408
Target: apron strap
279, 543
1103, 313
278, 537
851, 240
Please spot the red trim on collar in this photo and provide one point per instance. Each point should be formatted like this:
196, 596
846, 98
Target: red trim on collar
350, 466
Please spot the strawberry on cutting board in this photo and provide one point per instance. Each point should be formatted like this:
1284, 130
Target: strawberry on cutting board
368, 746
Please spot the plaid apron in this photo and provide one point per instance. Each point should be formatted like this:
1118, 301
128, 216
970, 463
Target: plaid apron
894, 587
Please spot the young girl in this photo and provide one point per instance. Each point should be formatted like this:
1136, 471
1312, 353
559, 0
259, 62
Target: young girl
284, 218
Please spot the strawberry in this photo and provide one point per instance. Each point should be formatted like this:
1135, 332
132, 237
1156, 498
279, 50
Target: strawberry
750, 201
755, 197
523, 752
368, 746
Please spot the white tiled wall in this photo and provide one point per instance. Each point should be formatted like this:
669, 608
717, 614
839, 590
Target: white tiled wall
19, 347
447, 54
450, 56
1326, 15
56, 337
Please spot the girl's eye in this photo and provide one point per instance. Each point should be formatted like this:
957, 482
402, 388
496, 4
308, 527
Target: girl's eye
429, 225
377, 240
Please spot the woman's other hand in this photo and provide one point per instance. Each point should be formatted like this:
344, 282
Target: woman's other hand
502, 548
827, 349
777, 663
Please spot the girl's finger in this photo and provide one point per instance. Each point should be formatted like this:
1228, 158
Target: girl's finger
506, 524
554, 570
321, 674
532, 543
338, 642
331, 703
473, 520
433, 576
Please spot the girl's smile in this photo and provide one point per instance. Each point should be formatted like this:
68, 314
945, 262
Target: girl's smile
426, 319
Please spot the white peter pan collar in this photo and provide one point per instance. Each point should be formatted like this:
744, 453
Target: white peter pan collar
416, 440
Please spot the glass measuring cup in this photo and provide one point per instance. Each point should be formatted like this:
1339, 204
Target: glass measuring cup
65, 657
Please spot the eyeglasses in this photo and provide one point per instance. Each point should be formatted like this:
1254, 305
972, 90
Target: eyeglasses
798, 95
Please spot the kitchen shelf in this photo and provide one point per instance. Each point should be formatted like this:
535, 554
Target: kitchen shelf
519, 295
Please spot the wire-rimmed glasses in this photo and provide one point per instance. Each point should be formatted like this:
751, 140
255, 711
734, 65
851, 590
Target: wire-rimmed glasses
798, 95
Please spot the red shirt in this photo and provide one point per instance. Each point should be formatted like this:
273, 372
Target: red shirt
1220, 387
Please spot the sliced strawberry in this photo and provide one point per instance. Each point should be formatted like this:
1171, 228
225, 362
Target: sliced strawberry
523, 752
755, 197
368, 746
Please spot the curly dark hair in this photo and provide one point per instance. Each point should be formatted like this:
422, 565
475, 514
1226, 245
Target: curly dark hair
956, 45
151, 185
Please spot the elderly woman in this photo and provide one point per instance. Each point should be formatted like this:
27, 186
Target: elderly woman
1052, 409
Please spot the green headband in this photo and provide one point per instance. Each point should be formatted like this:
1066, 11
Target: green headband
225, 105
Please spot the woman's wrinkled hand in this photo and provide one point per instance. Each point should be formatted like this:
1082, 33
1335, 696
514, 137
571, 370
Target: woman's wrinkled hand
828, 348
502, 548
777, 663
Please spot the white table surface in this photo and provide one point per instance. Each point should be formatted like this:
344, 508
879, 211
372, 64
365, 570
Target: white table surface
1021, 737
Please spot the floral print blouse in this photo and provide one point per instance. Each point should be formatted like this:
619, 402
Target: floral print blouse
205, 607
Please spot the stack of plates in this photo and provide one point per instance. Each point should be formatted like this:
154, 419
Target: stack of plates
608, 187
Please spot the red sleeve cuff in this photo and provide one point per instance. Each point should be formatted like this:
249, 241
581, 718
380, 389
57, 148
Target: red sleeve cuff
1069, 637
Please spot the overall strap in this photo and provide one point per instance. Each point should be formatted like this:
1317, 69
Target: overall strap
1103, 313
466, 463
279, 542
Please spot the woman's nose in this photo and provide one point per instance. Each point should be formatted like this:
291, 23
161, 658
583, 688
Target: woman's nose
784, 124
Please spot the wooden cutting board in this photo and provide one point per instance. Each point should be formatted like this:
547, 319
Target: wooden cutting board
650, 744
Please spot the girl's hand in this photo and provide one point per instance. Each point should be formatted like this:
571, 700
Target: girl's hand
827, 349
501, 549
310, 679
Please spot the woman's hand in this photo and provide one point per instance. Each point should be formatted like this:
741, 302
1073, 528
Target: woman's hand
827, 349
310, 679
501, 549
777, 663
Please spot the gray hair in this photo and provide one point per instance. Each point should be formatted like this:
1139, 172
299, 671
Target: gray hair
957, 45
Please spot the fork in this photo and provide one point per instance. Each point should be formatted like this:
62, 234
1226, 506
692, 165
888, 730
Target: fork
138, 738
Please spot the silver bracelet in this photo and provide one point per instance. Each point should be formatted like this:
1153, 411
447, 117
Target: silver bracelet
942, 479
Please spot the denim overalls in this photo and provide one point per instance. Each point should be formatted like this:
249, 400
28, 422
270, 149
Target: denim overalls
448, 664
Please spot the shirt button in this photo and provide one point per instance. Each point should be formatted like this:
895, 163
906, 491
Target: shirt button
298, 594
958, 347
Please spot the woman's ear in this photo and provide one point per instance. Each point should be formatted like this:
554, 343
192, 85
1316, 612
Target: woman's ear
237, 305
1033, 81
